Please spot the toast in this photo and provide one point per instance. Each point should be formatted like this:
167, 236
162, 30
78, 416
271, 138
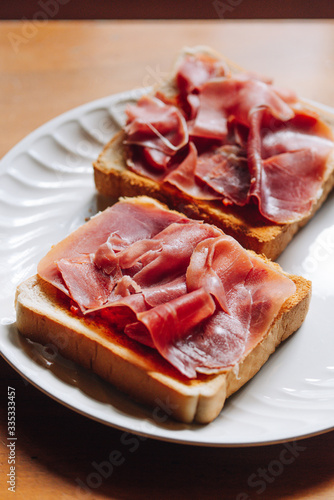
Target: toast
44, 316
114, 178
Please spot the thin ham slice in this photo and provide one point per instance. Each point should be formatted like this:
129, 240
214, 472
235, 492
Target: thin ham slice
178, 242
162, 293
225, 170
288, 163
184, 178
289, 185
168, 323
254, 294
220, 173
221, 267
122, 224
87, 287
201, 273
193, 72
237, 97
218, 265
148, 162
266, 300
223, 343
105, 257
154, 124
303, 131
157, 159
142, 249
153, 296
158, 131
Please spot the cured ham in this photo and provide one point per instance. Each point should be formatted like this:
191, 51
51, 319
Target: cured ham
225, 170
235, 138
184, 178
159, 129
264, 300
171, 289
175, 285
167, 325
121, 225
288, 164
193, 72
88, 288
225, 98
178, 242
156, 125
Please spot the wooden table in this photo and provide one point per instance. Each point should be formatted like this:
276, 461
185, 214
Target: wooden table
51, 67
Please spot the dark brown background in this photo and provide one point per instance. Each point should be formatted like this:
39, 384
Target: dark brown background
170, 9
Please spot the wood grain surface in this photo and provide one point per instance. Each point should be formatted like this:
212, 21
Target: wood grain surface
49, 67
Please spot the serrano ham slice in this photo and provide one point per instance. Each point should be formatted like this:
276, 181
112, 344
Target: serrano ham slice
159, 130
265, 300
192, 73
225, 170
121, 225
184, 178
168, 323
288, 164
178, 243
156, 125
224, 98
89, 288
179, 286
162, 293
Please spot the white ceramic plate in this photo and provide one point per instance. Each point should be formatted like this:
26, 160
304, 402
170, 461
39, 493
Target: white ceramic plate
47, 190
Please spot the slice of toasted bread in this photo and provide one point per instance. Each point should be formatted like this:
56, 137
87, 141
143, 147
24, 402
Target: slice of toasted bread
44, 317
113, 179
